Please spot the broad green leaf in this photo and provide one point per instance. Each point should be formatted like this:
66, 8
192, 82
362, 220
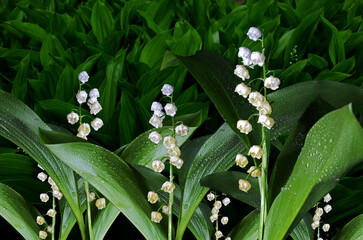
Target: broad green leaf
352, 231
336, 45
50, 49
153, 51
331, 149
20, 214
248, 228
20, 124
30, 29
142, 151
332, 76
67, 85
227, 182
303, 230
112, 177
216, 155
103, 220
20, 85
101, 21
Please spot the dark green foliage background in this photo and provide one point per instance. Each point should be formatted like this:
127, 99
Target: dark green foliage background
122, 45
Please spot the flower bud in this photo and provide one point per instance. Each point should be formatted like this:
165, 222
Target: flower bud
97, 123
266, 121
224, 220
100, 203
152, 197
40, 220
256, 152
167, 90
83, 77
254, 33
182, 130
243, 90
244, 126
155, 137
244, 185
241, 72
170, 109
241, 161
316, 218
81, 97
57, 194
156, 217
168, 187
215, 210
72, 118
272, 83
158, 166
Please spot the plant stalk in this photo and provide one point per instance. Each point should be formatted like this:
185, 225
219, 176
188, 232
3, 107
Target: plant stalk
171, 195
88, 210
53, 220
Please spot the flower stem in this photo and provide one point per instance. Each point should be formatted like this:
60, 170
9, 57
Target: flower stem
53, 220
171, 195
88, 210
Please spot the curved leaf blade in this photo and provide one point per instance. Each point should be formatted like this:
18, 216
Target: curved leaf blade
332, 147
352, 231
247, 229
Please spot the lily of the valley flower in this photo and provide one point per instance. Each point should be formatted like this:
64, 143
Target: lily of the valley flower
224, 220
95, 108
210, 196
169, 141
256, 99
176, 161
40, 220
244, 126
254, 171
83, 77
182, 130
156, 217
51, 213
168, 187
155, 137
272, 83
170, 109
100, 203
219, 234
256, 152
156, 122
257, 58
152, 197
94, 93
244, 185
241, 72
81, 97
254, 33
72, 118
167, 89
42, 176
226, 201
97, 123
158, 166
165, 209
44, 197
43, 234
156, 106
243, 90
241, 160
266, 121
264, 108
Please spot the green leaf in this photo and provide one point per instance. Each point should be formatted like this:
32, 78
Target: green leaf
20, 85
30, 29
20, 124
50, 49
20, 214
331, 149
216, 155
153, 52
248, 228
227, 182
336, 45
352, 231
101, 21
303, 230
103, 220
142, 151
67, 85
112, 177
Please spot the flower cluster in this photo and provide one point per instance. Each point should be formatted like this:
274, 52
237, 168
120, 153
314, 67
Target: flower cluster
169, 142
256, 99
216, 212
84, 129
44, 197
319, 212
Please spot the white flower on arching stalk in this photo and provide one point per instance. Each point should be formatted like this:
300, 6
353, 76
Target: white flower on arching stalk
244, 185
241, 72
266, 121
170, 109
92, 196
51, 213
91, 101
327, 198
265, 108
72, 118
272, 83
40, 220
84, 129
156, 217
83, 77
319, 212
97, 123
169, 141
254, 33
241, 160
176, 161
315, 224
254, 171
217, 205
167, 90
156, 106
244, 126
42, 176
100, 203
81, 97
50, 229
155, 137
43, 234
158, 165
160, 114
326, 227
174, 150
243, 90
244, 52
210, 196
215, 210
94, 93
95, 108
51, 181
327, 208
224, 220
44, 197
57, 194
165, 209
156, 122
257, 58
182, 130
219, 234
256, 99
152, 197
226, 201
213, 217
256, 152
168, 187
